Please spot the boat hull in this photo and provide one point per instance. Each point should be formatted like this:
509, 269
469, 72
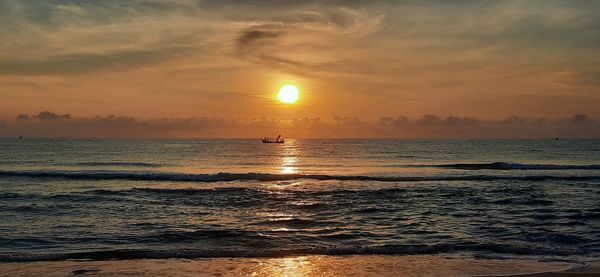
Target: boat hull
267, 141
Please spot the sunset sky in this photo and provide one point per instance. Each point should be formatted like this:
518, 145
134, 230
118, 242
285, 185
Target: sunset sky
212, 68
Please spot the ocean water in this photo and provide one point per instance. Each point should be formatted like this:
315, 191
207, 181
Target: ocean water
122, 199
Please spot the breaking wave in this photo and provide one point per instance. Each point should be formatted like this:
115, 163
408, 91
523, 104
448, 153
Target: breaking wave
512, 166
127, 254
127, 164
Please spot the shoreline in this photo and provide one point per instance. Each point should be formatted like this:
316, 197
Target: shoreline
591, 269
317, 265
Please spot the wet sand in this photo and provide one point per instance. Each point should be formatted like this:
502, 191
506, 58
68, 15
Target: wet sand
373, 265
589, 270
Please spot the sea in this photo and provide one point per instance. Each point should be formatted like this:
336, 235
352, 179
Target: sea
96, 199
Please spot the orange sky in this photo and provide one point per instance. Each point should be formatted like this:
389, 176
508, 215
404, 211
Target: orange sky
364, 60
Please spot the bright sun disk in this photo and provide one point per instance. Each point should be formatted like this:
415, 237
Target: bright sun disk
288, 94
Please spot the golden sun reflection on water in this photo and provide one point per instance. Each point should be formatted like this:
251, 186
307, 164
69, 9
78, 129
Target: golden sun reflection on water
325, 266
287, 165
292, 266
289, 160
287, 267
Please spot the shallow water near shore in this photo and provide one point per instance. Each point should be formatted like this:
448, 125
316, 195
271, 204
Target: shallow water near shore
188, 199
363, 265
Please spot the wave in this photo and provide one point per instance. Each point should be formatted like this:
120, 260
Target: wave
266, 177
127, 254
96, 164
131, 164
514, 166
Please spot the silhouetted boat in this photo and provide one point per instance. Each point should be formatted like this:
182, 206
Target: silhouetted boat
272, 140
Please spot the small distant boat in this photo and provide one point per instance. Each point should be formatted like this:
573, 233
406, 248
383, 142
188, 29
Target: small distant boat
272, 140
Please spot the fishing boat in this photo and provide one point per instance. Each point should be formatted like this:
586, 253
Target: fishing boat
279, 139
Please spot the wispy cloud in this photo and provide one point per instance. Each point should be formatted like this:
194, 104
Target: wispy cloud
486, 58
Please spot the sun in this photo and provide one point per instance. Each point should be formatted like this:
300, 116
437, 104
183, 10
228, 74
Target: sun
288, 94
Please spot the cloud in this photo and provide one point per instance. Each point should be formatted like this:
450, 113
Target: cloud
50, 124
43, 116
304, 41
279, 4
22, 117
248, 37
68, 37
65, 37
580, 119
51, 116
80, 62
489, 59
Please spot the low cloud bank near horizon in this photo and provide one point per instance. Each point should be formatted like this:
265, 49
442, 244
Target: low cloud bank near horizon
50, 124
